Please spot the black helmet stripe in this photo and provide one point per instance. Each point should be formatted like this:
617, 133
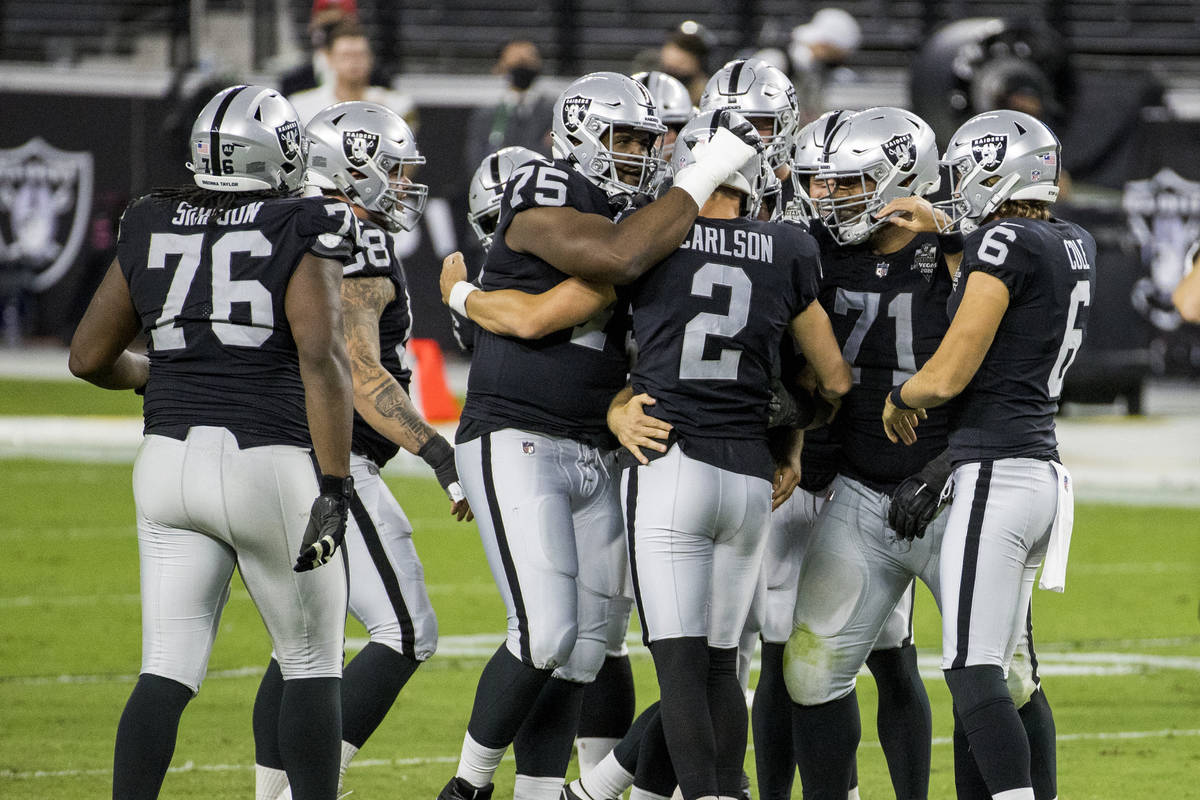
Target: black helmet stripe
214, 133
494, 164
735, 74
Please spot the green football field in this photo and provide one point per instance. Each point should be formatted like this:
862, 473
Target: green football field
1119, 651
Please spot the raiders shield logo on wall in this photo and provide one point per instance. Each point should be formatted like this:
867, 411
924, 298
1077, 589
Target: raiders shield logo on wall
359, 146
901, 151
289, 140
45, 202
574, 110
988, 151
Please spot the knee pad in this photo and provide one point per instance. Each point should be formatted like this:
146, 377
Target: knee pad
808, 669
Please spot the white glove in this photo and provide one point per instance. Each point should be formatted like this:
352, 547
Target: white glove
716, 160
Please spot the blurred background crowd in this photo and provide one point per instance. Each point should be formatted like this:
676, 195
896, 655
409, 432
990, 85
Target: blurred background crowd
98, 98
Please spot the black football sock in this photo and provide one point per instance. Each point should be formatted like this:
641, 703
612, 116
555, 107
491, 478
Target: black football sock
543, 743
370, 685
265, 719
992, 726
682, 668
626, 751
904, 720
310, 736
771, 718
968, 782
826, 737
146, 737
1038, 721
507, 690
608, 701
655, 773
727, 708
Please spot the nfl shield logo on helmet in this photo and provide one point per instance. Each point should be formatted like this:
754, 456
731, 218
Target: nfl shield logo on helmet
289, 139
988, 151
359, 146
901, 151
45, 202
574, 110
527, 448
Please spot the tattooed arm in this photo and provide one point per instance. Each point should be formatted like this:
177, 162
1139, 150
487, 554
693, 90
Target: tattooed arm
378, 397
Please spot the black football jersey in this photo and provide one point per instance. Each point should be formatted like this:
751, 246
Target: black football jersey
561, 384
1007, 410
375, 258
209, 288
889, 315
708, 321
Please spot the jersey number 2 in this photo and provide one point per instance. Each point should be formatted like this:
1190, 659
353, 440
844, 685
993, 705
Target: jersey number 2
692, 363
225, 291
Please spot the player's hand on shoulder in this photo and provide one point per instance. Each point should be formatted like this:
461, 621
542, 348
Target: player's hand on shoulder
635, 429
326, 523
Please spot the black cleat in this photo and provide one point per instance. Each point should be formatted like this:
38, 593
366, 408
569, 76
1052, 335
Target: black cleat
458, 789
574, 791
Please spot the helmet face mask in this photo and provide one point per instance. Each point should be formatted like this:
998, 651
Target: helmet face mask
246, 139
589, 118
487, 186
368, 153
752, 179
807, 151
756, 89
884, 153
995, 157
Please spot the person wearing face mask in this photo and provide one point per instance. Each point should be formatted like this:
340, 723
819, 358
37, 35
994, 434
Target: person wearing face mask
521, 117
684, 56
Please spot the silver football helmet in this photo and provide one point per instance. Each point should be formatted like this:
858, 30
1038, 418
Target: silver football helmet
885, 153
487, 189
586, 115
247, 139
998, 156
363, 150
807, 151
672, 100
750, 179
755, 88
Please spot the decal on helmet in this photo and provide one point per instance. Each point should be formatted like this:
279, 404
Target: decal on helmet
988, 151
359, 146
289, 139
574, 110
901, 151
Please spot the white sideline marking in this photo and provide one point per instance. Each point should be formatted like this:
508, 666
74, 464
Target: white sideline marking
363, 763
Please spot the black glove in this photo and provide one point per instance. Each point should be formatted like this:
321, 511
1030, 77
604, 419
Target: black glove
326, 523
439, 455
917, 500
741, 129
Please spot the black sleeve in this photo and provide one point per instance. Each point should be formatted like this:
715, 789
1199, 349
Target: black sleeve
806, 270
329, 228
998, 251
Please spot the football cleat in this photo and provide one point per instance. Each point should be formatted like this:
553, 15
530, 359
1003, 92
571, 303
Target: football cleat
458, 789
574, 791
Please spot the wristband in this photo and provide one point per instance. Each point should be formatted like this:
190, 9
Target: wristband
333, 484
439, 455
950, 243
896, 401
458, 296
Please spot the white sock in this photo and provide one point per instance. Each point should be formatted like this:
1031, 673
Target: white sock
348, 753
606, 779
641, 794
1025, 793
477, 764
527, 787
269, 783
591, 750
852, 794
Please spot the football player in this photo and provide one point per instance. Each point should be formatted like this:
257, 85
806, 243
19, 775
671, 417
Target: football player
535, 464
248, 410
1023, 271
364, 153
483, 213
886, 289
674, 105
706, 323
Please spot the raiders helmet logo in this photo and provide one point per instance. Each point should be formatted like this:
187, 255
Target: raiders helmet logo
574, 110
289, 139
988, 151
359, 146
45, 201
901, 151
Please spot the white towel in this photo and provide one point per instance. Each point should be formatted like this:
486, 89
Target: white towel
1054, 569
